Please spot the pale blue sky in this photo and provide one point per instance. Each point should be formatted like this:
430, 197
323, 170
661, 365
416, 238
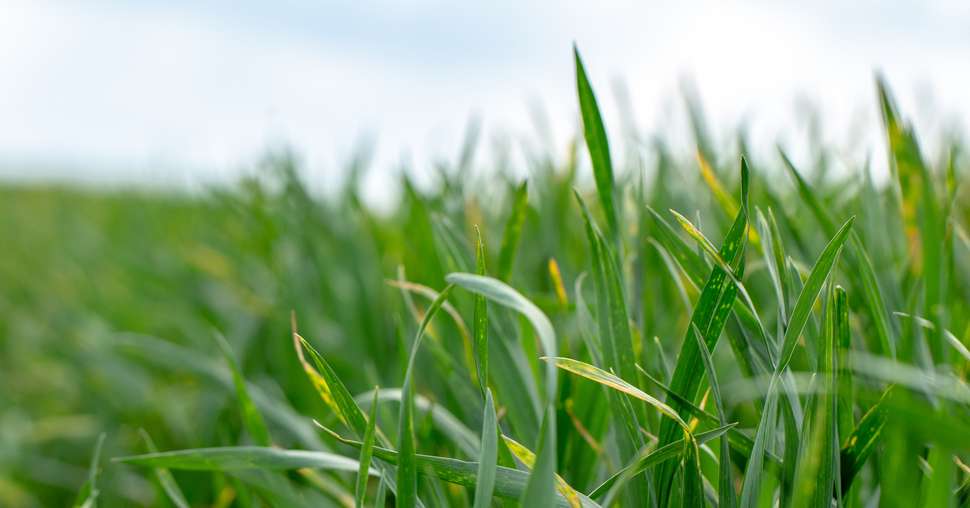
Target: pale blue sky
182, 91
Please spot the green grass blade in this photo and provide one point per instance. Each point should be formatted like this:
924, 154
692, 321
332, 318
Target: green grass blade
503, 294
87, 496
774, 260
335, 394
509, 483
599, 148
791, 451
693, 478
816, 469
329, 387
236, 458
727, 498
871, 292
443, 420
604, 378
181, 359
938, 490
407, 473
381, 495
615, 341
616, 336
480, 327
751, 487
528, 459
541, 488
739, 442
366, 452
252, 418
164, 476
488, 460
709, 316
858, 446
513, 231
647, 459
845, 396
809, 293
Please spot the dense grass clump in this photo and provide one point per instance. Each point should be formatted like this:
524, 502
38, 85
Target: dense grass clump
712, 329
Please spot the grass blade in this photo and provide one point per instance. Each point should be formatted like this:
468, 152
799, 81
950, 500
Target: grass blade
513, 231
709, 316
164, 476
750, 489
816, 469
599, 148
528, 459
858, 446
647, 459
809, 293
726, 495
480, 327
366, 452
237, 458
252, 418
443, 420
609, 380
407, 473
693, 479
87, 497
871, 292
541, 488
488, 460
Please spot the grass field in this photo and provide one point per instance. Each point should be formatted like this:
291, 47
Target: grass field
692, 329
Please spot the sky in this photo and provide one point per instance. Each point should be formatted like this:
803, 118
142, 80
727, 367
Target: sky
182, 92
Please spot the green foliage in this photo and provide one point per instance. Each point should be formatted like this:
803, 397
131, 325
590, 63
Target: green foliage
774, 341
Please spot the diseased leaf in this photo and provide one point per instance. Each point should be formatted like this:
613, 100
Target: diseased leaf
528, 459
605, 378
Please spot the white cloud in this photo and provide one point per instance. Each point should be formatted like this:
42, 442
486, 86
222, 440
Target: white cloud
139, 86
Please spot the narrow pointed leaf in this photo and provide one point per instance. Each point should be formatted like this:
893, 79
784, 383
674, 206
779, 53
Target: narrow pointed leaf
599, 148
235, 458
164, 477
488, 460
366, 452
480, 326
605, 378
252, 418
513, 232
407, 473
